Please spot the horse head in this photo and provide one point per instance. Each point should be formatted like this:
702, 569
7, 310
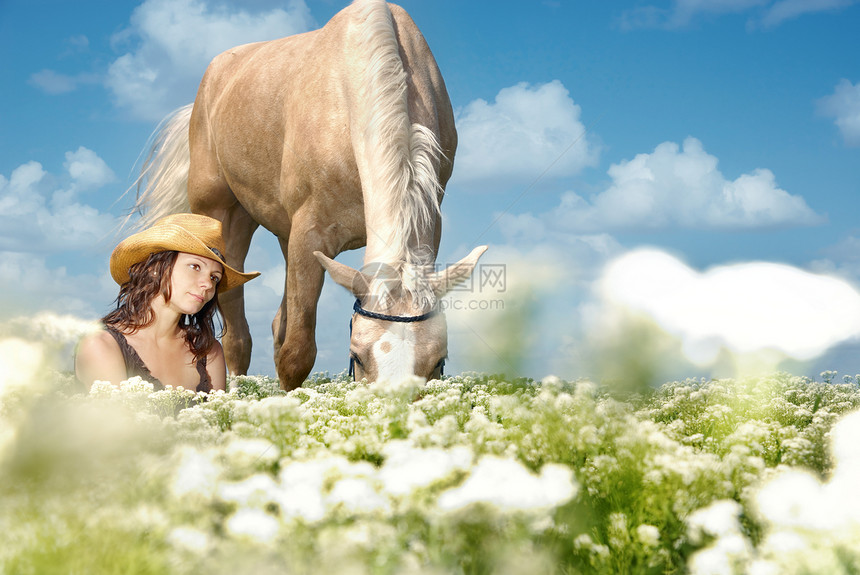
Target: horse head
397, 329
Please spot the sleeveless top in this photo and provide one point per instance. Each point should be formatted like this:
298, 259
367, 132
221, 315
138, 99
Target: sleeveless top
134, 364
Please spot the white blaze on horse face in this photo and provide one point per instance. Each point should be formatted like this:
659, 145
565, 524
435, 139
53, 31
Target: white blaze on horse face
394, 352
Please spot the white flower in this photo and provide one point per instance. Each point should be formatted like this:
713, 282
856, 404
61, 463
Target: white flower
846, 448
551, 381
648, 535
402, 387
725, 557
251, 452
416, 418
785, 542
585, 390
301, 490
253, 524
20, 362
601, 551
719, 518
255, 491
196, 475
189, 539
583, 541
136, 384
408, 468
796, 498
762, 567
356, 495
302, 484
507, 484
103, 388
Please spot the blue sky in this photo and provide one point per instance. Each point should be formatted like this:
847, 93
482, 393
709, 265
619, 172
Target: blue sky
719, 132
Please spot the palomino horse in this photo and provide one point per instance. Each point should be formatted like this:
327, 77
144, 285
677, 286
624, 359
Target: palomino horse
332, 140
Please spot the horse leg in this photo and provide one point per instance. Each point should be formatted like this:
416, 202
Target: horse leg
279, 324
296, 355
210, 194
237, 228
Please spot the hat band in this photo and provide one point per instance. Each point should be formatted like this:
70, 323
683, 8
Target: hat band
217, 253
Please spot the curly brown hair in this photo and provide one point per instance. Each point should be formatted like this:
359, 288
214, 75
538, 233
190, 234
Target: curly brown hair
148, 279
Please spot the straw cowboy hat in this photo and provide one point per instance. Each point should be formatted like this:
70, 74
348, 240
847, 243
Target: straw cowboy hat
189, 233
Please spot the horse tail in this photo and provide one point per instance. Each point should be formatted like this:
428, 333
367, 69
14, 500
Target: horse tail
403, 156
162, 187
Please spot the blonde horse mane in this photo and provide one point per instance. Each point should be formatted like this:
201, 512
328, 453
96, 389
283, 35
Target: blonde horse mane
404, 157
163, 180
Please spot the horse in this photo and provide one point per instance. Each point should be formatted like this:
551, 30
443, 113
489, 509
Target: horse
333, 139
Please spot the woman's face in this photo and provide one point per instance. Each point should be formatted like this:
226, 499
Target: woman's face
193, 282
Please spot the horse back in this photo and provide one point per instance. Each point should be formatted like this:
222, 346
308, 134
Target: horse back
273, 122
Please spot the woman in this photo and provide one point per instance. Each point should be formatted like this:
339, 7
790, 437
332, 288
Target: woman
162, 329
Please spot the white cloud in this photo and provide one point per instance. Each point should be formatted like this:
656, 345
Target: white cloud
174, 41
844, 106
677, 187
783, 10
36, 215
78, 43
18, 195
841, 259
53, 82
764, 13
30, 285
747, 308
526, 131
685, 10
530, 321
846, 250
682, 12
87, 169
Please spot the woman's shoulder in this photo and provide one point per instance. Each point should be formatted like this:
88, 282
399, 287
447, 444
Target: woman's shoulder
99, 357
98, 342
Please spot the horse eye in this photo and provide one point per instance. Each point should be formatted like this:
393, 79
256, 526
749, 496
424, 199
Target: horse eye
355, 359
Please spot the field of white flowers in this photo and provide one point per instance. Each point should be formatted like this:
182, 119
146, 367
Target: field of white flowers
470, 474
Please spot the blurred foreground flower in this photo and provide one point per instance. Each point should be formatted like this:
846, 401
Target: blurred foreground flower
471, 474
810, 526
20, 362
508, 485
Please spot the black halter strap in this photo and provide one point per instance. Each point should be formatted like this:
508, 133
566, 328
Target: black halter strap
398, 318
384, 317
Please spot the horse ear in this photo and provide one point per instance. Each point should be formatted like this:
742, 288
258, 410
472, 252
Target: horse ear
353, 280
441, 282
